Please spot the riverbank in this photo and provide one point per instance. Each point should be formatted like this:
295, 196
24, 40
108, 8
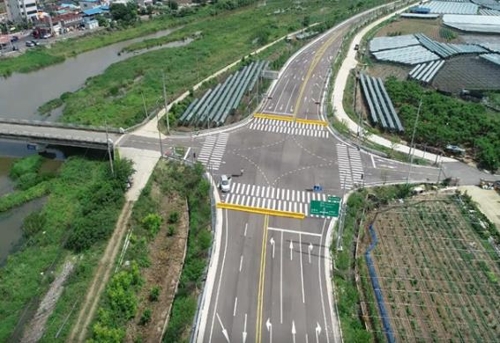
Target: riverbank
81, 195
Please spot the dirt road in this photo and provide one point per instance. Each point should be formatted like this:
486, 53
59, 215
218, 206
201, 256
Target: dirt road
87, 310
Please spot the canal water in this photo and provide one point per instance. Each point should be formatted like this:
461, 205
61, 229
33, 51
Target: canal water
22, 94
11, 234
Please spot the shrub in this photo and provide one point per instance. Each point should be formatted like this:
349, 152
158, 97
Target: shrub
146, 317
152, 223
173, 218
30, 164
171, 231
154, 293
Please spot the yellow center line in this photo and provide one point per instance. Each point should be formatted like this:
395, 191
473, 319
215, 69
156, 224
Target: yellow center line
262, 276
315, 61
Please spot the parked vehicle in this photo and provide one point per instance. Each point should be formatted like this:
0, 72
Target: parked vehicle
30, 44
14, 39
225, 183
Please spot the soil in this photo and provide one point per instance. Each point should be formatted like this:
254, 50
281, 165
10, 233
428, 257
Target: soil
430, 264
429, 27
106, 264
488, 202
384, 70
167, 258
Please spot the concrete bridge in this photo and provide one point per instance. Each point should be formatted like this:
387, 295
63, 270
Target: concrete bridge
46, 133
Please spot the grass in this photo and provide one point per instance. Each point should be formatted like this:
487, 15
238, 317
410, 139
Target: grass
50, 105
224, 39
28, 273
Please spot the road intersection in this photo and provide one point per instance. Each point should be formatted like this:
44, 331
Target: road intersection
272, 275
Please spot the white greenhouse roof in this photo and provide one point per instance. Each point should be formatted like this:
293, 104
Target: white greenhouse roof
483, 11
407, 55
447, 7
473, 23
385, 43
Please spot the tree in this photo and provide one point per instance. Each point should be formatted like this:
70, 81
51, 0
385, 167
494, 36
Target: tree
306, 21
173, 5
127, 14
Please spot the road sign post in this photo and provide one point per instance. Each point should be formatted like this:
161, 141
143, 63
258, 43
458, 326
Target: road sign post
324, 208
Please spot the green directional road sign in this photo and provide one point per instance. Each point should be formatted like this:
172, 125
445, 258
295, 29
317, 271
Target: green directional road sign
333, 199
324, 208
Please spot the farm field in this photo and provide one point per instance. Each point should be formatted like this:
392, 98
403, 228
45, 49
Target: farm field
438, 276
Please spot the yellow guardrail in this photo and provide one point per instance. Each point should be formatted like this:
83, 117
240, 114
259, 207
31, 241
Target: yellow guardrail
260, 210
290, 119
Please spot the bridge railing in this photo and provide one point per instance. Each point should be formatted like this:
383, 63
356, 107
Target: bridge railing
60, 125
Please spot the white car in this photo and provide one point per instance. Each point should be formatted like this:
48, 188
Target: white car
225, 183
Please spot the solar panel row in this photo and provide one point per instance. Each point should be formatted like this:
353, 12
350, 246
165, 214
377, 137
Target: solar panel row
382, 111
493, 58
448, 7
215, 105
408, 55
446, 50
425, 72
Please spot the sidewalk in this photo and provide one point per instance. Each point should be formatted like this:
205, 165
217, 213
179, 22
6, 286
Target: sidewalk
338, 94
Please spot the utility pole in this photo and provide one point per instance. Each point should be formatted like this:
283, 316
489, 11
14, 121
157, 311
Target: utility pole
165, 99
109, 144
159, 135
412, 149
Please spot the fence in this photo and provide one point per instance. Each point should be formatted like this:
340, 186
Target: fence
376, 288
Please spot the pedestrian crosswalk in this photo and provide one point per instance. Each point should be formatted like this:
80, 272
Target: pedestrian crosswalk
273, 198
213, 150
289, 127
350, 166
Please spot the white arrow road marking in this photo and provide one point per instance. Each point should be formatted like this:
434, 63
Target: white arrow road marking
272, 243
270, 329
309, 249
294, 331
318, 332
224, 331
245, 329
291, 249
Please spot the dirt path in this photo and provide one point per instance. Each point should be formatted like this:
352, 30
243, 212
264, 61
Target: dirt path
87, 310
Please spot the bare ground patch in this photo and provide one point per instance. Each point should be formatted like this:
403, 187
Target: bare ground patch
166, 253
409, 26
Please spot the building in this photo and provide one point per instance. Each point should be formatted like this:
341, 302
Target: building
21, 10
89, 4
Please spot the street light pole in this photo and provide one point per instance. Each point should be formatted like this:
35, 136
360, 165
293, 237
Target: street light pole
159, 136
109, 144
412, 149
165, 99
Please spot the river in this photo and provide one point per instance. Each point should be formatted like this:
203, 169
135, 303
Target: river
11, 221
22, 94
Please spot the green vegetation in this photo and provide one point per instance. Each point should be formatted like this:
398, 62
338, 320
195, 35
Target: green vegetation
199, 241
74, 199
447, 34
225, 38
348, 297
445, 120
121, 302
50, 105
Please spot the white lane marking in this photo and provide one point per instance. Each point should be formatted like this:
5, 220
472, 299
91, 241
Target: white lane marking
220, 279
321, 285
373, 162
246, 227
241, 262
281, 278
301, 270
235, 306
294, 231
186, 154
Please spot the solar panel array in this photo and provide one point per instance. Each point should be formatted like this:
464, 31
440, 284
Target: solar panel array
385, 43
448, 7
446, 50
493, 47
483, 11
216, 104
382, 111
409, 55
491, 4
494, 58
425, 72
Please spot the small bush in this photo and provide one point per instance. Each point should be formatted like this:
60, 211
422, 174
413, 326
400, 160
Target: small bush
171, 231
27, 165
146, 317
154, 293
152, 223
173, 218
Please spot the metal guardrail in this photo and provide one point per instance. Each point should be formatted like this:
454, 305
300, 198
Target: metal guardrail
39, 123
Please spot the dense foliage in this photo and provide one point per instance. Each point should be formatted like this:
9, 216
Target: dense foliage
445, 120
28, 272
